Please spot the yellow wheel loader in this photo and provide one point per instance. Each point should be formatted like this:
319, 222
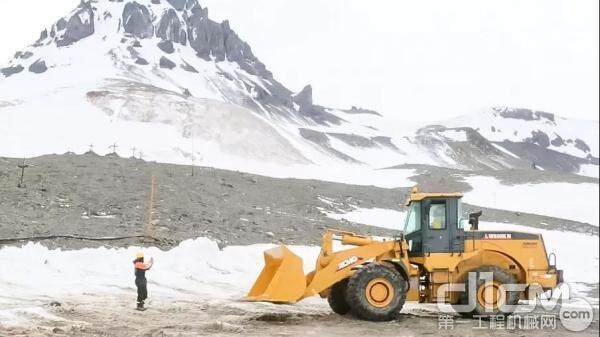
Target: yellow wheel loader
434, 260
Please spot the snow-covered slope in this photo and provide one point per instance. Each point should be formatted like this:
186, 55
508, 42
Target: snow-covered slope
574, 137
160, 79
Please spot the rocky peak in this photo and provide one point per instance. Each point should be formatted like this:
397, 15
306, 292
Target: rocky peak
178, 4
80, 25
170, 28
137, 20
304, 97
178, 24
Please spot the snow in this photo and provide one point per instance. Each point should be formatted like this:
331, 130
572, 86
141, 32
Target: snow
496, 128
454, 135
578, 202
194, 269
589, 170
84, 16
378, 217
198, 269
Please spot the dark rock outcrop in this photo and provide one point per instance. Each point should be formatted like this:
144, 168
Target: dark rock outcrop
539, 138
580, 144
322, 140
38, 67
524, 114
306, 107
166, 46
23, 55
356, 110
61, 24
387, 142
353, 140
558, 141
169, 28
141, 61
137, 20
304, 97
79, 26
177, 4
205, 36
43, 36
166, 63
7, 72
188, 68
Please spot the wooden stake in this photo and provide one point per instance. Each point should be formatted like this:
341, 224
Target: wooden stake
149, 225
23, 166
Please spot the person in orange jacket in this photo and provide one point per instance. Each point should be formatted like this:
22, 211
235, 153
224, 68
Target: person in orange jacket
140, 278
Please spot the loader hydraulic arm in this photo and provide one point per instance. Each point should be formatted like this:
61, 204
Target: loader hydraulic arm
282, 279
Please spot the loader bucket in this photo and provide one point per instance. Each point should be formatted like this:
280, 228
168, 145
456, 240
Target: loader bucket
282, 279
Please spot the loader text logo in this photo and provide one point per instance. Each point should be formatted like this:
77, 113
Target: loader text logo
497, 236
347, 262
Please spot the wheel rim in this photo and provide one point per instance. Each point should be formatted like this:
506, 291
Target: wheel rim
379, 292
491, 295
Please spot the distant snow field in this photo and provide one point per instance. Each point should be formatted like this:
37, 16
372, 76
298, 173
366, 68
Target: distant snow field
589, 170
578, 202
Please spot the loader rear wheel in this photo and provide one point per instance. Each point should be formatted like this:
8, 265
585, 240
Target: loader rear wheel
490, 296
337, 298
376, 293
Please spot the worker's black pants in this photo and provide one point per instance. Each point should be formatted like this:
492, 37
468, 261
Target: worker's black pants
142, 291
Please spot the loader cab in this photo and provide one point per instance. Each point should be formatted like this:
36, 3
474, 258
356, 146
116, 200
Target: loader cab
433, 223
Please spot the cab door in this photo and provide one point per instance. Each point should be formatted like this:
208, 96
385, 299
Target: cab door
435, 226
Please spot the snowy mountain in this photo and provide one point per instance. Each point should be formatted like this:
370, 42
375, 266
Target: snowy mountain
159, 78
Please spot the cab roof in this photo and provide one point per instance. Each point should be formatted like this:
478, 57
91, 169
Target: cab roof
416, 195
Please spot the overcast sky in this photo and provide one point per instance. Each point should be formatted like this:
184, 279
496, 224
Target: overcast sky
415, 60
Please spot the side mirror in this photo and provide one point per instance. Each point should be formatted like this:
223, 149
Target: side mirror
474, 220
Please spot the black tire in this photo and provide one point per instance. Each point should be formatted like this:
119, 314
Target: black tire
337, 298
356, 293
501, 276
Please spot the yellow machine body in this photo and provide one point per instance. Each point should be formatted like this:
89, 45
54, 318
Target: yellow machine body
523, 255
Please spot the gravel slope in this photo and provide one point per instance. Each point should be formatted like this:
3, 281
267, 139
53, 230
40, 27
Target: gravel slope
107, 196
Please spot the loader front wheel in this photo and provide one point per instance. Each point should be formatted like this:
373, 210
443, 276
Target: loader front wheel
376, 293
337, 298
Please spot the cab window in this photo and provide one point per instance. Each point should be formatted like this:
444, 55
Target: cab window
413, 220
462, 219
437, 216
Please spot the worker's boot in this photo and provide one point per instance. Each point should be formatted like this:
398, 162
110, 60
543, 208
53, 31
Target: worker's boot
140, 305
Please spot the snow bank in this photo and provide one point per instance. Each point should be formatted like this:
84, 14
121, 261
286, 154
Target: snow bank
195, 267
199, 269
578, 202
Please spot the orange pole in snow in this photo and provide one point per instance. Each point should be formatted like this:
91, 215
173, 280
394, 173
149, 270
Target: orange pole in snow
149, 225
